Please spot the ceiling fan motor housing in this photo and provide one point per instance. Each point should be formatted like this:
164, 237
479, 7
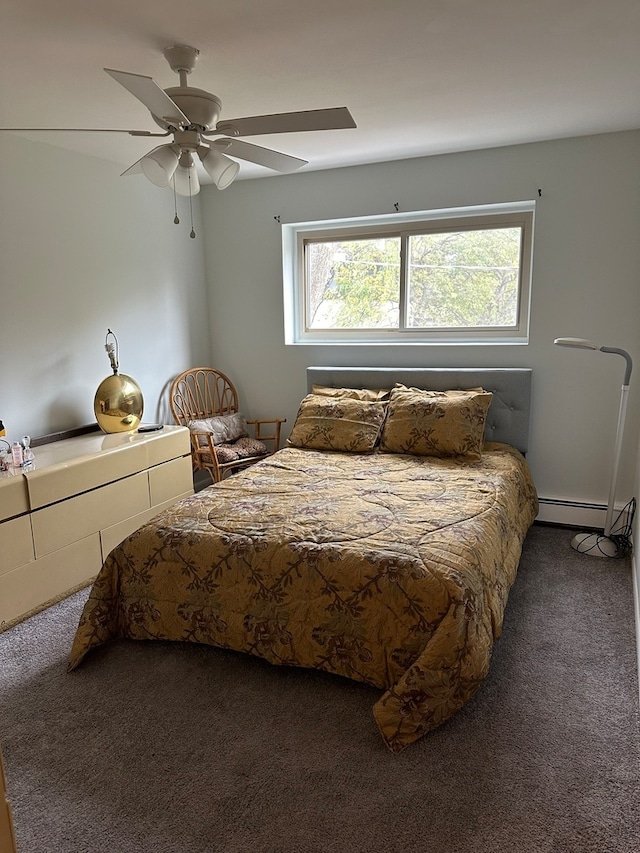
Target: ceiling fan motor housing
201, 108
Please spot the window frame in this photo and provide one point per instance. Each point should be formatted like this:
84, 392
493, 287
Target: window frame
295, 237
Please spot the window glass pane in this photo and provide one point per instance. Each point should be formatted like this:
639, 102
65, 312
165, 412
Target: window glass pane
353, 284
462, 279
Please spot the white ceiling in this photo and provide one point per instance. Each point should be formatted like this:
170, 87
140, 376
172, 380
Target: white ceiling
419, 76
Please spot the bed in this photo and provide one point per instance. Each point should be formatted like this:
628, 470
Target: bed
358, 549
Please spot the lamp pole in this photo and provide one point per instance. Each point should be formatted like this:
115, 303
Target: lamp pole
619, 433
594, 543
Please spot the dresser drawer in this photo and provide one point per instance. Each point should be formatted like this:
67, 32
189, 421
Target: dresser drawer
171, 479
167, 443
34, 585
62, 523
14, 498
112, 536
16, 545
63, 478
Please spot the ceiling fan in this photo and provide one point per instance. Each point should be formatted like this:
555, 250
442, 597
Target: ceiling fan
192, 116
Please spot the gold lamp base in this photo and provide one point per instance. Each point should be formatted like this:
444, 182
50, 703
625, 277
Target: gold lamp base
118, 404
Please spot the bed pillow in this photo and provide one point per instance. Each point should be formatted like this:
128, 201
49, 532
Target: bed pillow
337, 423
354, 393
453, 392
435, 423
223, 428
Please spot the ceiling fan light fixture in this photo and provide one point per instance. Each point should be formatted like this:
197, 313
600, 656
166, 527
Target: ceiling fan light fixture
159, 165
219, 167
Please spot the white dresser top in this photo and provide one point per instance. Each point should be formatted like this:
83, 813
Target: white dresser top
72, 465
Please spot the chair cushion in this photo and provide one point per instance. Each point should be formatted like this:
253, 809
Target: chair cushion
243, 448
246, 447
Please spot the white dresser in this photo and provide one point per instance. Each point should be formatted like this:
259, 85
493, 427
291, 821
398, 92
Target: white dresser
84, 495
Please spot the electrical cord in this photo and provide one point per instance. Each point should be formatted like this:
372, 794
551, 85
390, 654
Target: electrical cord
622, 537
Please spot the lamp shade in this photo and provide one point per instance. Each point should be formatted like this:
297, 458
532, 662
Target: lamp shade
580, 343
159, 165
218, 166
186, 176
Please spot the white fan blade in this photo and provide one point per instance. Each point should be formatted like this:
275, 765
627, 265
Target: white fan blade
79, 130
335, 118
136, 168
262, 156
145, 89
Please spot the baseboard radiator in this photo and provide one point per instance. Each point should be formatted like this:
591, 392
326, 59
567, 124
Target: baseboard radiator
579, 514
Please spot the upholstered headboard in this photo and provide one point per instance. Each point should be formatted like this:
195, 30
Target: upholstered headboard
508, 417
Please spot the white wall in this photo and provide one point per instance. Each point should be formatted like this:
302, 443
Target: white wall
83, 250
586, 284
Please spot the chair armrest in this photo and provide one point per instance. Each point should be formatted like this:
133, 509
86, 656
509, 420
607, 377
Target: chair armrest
204, 452
260, 423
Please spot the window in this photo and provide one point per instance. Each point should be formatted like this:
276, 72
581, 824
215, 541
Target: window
448, 276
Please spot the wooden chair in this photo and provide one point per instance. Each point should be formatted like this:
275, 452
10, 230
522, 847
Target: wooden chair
201, 394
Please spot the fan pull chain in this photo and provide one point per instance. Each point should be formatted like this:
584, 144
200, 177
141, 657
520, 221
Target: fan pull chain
193, 233
176, 219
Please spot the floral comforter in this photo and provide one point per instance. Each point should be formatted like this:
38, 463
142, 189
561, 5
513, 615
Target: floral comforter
390, 569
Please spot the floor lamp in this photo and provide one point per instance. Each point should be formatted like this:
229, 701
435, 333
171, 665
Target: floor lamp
597, 544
